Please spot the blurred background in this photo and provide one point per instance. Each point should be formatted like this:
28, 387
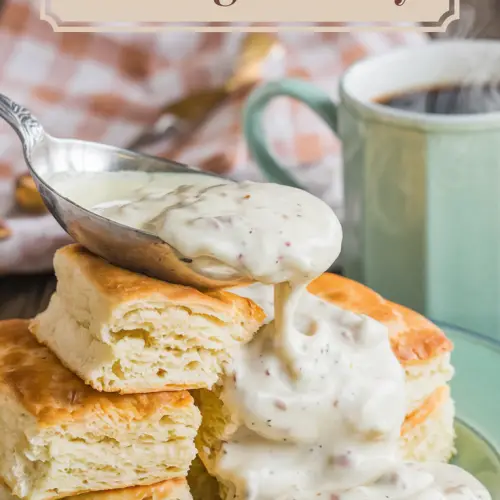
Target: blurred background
177, 95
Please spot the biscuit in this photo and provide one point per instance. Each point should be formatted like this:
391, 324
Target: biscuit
5, 231
421, 347
203, 486
172, 489
428, 433
414, 338
123, 332
59, 437
27, 196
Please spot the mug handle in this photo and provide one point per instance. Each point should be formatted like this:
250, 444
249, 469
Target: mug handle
317, 100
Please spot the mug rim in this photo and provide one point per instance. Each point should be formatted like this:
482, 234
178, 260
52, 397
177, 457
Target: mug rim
414, 119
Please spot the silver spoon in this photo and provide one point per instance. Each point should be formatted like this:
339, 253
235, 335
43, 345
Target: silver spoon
119, 244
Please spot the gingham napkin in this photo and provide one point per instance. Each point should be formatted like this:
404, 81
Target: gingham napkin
111, 88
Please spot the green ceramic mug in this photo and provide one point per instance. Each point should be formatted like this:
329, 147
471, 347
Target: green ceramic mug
422, 191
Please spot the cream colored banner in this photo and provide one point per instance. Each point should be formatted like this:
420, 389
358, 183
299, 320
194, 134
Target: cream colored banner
251, 15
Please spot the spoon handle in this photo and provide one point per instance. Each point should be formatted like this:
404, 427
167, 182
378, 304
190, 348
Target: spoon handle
23, 122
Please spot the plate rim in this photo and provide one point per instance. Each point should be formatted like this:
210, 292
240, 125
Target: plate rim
480, 435
482, 337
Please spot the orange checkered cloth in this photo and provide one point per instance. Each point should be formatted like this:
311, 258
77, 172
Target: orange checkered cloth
111, 88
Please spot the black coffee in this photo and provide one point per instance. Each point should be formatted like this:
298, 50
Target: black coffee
447, 100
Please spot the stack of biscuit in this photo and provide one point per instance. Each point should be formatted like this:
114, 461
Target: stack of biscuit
421, 347
424, 352
93, 392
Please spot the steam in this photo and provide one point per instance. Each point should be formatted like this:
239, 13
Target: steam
479, 92
470, 25
475, 20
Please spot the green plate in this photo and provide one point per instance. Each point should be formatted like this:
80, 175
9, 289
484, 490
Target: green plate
476, 390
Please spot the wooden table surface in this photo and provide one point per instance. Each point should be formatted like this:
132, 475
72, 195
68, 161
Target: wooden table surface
25, 296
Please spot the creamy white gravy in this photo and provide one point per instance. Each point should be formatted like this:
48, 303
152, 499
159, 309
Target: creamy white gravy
331, 428
89, 189
318, 395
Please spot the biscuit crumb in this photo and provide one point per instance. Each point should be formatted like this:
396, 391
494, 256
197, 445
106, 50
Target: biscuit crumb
5, 231
27, 196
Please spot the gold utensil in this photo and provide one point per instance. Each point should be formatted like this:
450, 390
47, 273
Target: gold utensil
181, 118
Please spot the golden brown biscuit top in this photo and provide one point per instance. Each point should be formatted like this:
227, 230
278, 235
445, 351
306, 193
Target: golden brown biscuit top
54, 395
413, 337
120, 285
161, 490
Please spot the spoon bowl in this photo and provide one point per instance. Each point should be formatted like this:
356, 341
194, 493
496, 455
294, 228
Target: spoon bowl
122, 245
